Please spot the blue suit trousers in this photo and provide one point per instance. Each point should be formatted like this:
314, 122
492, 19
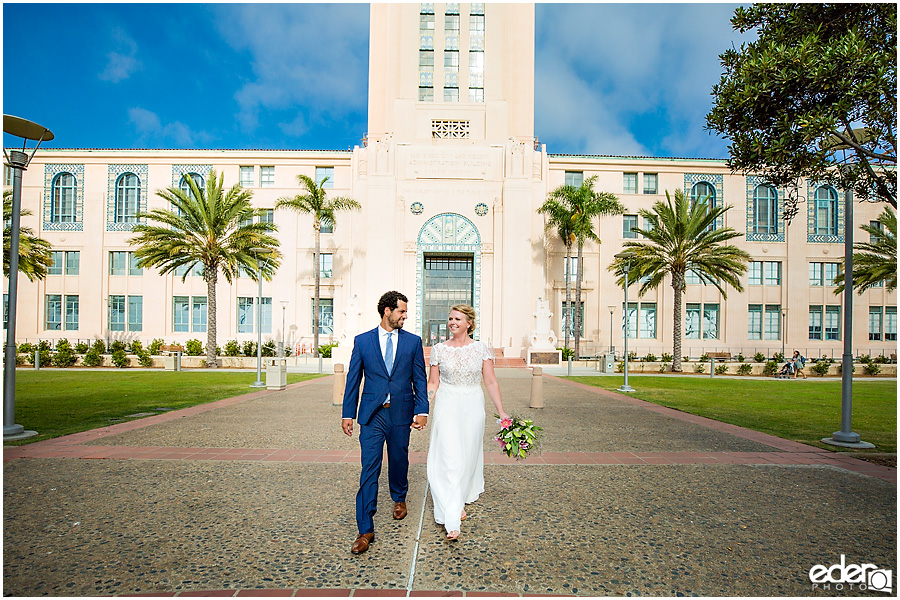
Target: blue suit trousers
372, 438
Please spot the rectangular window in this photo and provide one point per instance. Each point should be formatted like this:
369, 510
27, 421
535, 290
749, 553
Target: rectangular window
632, 315
573, 268
692, 321
133, 268
451, 94
117, 313
710, 321
426, 94
890, 323
245, 315
691, 278
426, 23
71, 313
648, 320
326, 265
772, 322
451, 59
629, 183
118, 262
267, 215
322, 173
7, 176
426, 58
197, 269
247, 177
265, 319
815, 274
875, 323
755, 272
754, 321
476, 94
773, 272
832, 270
181, 314
198, 314
181, 270
135, 313
650, 180
53, 312
877, 226
574, 178
832, 322
73, 260
326, 315
56, 267
629, 222
569, 318
267, 177
815, 322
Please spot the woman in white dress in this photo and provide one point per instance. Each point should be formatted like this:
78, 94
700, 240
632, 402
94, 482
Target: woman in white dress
455, 464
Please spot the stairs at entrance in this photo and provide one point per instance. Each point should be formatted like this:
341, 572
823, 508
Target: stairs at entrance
500, 361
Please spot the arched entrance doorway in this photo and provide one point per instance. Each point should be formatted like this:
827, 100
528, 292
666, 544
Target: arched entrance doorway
448, 272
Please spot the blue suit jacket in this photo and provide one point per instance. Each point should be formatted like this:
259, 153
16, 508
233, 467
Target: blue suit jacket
407, 383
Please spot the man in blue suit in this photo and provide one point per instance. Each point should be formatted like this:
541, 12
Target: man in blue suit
394, 400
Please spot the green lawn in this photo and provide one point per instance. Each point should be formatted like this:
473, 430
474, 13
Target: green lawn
61, 402
804, 411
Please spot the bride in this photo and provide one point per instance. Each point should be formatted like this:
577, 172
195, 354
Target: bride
455, 463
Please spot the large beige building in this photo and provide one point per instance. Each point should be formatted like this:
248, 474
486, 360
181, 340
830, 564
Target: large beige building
450, 177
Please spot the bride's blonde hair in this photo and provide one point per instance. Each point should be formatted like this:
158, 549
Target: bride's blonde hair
469, 312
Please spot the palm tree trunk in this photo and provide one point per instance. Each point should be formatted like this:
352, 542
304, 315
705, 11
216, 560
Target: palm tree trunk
568, 314
577, 317
678, 286
316, 297
211, 276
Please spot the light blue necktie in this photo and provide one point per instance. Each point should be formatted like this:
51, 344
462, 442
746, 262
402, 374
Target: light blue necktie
389, 354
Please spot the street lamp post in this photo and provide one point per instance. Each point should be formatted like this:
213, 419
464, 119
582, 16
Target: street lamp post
626, 256
259, 382
18, 161
783, 332
846, 437
611, 309
284, 304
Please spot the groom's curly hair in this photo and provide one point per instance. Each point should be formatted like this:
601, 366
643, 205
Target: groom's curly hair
389, 300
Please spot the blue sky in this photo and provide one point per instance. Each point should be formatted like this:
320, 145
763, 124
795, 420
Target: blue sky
610, 78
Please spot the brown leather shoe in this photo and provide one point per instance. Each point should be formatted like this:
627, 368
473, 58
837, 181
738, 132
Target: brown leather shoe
362, 543
399, 510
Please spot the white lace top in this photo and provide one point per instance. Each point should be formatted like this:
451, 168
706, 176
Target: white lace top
461, 366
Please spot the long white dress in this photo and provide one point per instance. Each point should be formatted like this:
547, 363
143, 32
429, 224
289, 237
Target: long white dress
455, 463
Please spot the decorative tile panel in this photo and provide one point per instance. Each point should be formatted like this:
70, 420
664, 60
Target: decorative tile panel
811, 235
114, 172
179, 171
51, 171
752, 182
448, 233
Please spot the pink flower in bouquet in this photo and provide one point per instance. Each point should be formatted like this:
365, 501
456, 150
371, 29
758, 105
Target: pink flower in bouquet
505, 423
502, 443
524, 445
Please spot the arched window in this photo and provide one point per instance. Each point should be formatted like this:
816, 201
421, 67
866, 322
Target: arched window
62, 207
703, 190
765, 210
826, 211
198, 180
128, 198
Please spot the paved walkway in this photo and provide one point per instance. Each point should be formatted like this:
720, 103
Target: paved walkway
254, 496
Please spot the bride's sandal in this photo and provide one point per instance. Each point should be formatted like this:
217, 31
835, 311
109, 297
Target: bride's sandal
453, 535
464, 516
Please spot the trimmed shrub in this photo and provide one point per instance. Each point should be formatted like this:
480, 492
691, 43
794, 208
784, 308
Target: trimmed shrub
741, 358
663, 367
704, 357
193, 348
632, 356
771, 368
92, 358
65, 356
136, 348
700, 367
268, 348
232, 348
721, 369
145, 359
650, 357
82, 348
821, 367
155, 345
759, 357
620, 368
566, 353
666, 357
744, 369
778, 357
120, 359
249, 348
325, 349
99, 347
865, 359
117, 345
881, 360
872, 369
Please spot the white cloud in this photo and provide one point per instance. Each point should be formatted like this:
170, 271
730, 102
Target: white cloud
152, 132
643, 63
312, 55
122, 62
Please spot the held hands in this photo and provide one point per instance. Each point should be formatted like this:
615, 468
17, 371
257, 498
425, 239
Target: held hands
419, 422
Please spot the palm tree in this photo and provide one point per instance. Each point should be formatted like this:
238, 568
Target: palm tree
315, 201
876, 261
207, 226
682, 237
559, 217
586, 204
34, 253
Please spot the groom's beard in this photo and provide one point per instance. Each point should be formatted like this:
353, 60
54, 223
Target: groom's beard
398, 324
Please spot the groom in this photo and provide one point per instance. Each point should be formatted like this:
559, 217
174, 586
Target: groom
393, 364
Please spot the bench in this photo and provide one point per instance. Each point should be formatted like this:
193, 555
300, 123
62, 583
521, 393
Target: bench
719, 355
169, 349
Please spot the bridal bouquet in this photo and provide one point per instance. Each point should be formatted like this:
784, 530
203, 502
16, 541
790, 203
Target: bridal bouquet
517, 436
